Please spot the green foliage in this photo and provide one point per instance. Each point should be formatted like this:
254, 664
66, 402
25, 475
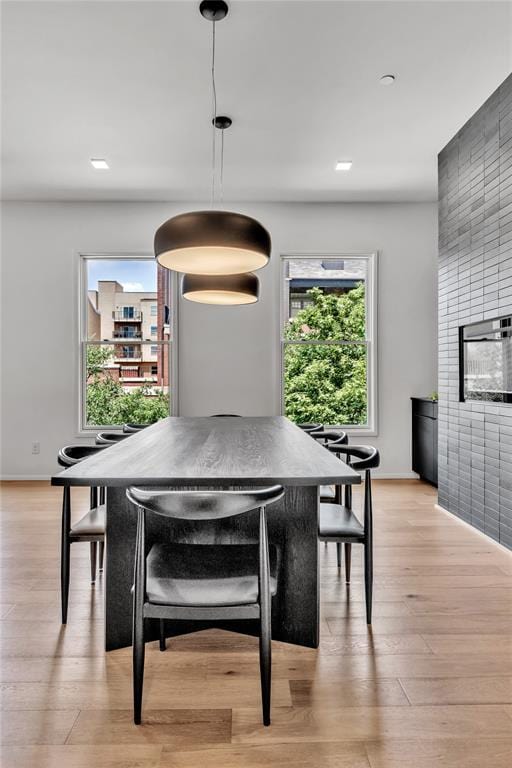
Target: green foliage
327, 383
108, 404
97, 357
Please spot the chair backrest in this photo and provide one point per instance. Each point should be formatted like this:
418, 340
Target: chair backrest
203, 505
109, 438
72, 454
225, 415
131, 428
310, 427
330, 436
360, 456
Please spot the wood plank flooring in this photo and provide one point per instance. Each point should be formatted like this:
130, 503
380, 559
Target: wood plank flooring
429, 685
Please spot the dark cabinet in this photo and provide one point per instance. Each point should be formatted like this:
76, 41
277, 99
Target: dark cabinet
424, 438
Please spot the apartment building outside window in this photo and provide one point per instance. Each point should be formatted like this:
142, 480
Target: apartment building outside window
126, 344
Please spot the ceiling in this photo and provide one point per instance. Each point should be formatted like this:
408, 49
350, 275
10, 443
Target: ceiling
129, 82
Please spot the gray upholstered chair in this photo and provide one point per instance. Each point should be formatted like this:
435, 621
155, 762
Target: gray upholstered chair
326, 436
338, 522
329, 493
203, 581
109, 438
310, 427
90, 527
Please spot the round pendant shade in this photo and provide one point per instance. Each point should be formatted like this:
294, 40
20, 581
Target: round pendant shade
212, 243
221, 289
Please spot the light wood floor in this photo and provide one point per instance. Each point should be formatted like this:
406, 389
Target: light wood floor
430, 685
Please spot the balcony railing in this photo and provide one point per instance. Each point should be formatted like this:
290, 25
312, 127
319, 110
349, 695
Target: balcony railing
127, 334
129, 373
128, 358
134, 317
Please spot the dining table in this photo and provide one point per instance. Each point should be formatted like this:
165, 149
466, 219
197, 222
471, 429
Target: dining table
181, 452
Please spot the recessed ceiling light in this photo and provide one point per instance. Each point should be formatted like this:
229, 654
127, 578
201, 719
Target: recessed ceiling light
99, 164
387, 79
344, 165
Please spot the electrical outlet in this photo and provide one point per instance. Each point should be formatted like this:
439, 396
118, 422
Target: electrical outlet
36, 447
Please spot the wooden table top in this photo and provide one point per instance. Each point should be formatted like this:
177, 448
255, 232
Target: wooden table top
182, 450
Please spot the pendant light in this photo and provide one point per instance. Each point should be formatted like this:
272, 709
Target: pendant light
221, 289
212, 242
241, 288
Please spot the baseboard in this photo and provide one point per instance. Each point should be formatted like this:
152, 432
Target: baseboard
483, 535
24, 477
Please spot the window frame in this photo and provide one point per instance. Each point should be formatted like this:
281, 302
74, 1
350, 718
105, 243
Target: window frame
371, 427
83, 430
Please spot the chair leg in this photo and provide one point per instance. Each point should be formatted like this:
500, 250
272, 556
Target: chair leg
348, 561
138, 618
93, 561
266, 666
265, 621
368, 580
101, 547
162, 635
338, 553
65, 546
139, 649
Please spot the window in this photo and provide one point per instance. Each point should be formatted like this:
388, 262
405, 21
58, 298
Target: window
328, 340
123, 378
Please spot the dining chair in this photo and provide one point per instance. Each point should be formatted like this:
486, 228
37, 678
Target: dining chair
225, 415
329, 493
329, 435
310, 427
338, 523
203, 581
131, 428
109, 438
90, 527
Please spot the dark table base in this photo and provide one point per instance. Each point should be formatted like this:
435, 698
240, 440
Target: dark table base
292, 524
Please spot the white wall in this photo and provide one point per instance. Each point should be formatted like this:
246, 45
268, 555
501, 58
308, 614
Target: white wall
229, 357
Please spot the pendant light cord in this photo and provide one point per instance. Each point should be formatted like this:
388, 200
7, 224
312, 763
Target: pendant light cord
222, 168
214, 115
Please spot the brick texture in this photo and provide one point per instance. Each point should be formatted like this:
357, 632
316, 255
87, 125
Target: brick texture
475, 283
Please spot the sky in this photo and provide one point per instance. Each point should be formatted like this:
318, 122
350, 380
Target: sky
133, 274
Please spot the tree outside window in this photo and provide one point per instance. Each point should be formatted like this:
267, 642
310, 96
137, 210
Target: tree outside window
326, 342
